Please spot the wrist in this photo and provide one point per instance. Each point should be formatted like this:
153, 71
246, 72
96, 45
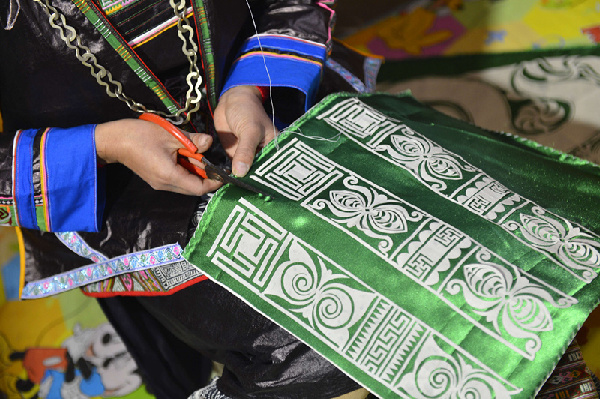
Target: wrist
107, 142
244, 90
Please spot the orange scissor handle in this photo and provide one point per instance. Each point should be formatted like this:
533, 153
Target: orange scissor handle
182, 159
190, 150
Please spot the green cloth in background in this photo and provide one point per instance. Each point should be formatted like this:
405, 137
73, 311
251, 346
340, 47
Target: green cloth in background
422, 255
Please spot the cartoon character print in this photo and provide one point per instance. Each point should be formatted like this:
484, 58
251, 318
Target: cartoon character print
103, 351
92, 362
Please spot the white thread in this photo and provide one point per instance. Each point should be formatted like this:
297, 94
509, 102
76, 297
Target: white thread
333, 139
13, 13
275, 134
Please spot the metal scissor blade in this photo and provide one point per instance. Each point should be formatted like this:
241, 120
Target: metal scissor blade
216, 173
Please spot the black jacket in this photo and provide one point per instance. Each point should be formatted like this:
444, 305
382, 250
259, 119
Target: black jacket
43, 84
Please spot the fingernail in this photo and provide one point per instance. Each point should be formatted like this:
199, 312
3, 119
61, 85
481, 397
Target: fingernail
240, 168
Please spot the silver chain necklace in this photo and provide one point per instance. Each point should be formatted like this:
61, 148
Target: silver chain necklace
114, 88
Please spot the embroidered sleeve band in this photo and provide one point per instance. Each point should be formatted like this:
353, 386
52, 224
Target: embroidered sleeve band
56, 186
280, 43
282, 62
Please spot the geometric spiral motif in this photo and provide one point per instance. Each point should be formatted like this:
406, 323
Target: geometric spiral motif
449, 175
425, 158
429, 257
327, 301
318, 295
296, 174
437, 374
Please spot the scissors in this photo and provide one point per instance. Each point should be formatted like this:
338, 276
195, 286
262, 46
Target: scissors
190, 150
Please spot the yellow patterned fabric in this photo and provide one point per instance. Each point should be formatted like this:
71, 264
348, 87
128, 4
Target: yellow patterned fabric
436, 28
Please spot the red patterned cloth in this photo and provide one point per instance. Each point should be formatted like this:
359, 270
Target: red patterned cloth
571, 379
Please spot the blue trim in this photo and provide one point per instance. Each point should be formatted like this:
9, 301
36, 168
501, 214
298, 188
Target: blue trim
77, 244
102, 270
100, 186
75, 201
352, 80
286, 44
371, 68
24, 184
284, 72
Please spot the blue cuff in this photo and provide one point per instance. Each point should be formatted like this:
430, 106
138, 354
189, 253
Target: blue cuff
285, 44
58, 186
290, 63
76, 193
23, 190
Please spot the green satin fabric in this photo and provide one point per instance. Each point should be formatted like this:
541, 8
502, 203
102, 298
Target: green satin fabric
423, 256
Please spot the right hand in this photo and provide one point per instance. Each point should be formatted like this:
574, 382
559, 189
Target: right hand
151, 152
243, 126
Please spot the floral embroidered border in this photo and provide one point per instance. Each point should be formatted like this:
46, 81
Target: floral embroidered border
160, 280
103, 269
77, 244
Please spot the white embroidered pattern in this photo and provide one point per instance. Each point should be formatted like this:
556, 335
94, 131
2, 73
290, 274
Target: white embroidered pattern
574, 247
423, 157
456, 180
439, 375
373, 213
318, 295
508, 299
300, 174
359, 324
425, 249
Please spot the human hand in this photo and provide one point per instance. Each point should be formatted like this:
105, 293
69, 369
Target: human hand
243, 126
151, 152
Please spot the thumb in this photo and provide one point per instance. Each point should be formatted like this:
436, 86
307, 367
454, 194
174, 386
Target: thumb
245, 151
201, 140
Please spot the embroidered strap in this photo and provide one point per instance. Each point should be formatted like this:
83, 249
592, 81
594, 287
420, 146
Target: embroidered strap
101, 270
103, 76
208, 61
161, 280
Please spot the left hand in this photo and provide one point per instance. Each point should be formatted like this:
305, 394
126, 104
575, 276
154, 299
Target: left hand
243, 126
151, 152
